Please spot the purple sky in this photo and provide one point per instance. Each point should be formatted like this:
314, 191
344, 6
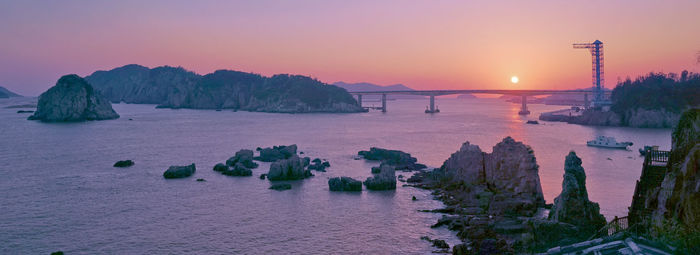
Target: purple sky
422, 44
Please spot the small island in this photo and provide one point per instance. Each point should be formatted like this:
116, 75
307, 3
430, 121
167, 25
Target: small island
72, 99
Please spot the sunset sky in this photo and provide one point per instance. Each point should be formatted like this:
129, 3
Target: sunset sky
422, 44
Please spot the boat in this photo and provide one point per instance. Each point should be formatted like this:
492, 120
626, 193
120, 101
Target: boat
608, 142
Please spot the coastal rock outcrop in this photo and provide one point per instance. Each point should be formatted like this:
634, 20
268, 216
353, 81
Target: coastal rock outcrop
319, 165
276, 153
72, 99
174, 172
572, 205
288, 169
344, 184
384, 180
175, 87
399, 159
244, 157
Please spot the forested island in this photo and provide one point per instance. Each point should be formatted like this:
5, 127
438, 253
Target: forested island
655, 100
175, 87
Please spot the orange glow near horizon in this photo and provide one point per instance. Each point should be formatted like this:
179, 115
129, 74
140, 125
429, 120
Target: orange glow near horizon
421, 44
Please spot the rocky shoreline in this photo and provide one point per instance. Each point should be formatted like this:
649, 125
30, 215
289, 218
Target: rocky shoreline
638, 118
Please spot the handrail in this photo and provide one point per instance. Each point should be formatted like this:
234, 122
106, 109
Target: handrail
657, 155
614, 226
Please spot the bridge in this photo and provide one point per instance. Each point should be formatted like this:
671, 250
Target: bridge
433, 93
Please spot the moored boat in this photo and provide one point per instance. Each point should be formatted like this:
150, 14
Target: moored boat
608, 142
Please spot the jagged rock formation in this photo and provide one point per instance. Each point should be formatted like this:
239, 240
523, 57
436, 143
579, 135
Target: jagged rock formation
384, 180
318, 164
344, 184
495, 196
174, 172
398, 159
288, 169
572, 205
5, 93
72, 99
171, 87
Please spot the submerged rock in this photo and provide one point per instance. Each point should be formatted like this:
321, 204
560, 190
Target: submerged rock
72, 99
399, 159
384, 180
124, 163
572, 205
244, 157
281, 186
288, 169
179, 171
277, 153
344, 184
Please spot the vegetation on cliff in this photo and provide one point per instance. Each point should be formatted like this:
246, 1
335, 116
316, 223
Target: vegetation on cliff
657, 91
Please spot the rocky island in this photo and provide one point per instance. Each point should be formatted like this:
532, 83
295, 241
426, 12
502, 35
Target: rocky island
73, 99
175, 87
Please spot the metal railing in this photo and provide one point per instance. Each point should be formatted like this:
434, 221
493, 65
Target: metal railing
657, 156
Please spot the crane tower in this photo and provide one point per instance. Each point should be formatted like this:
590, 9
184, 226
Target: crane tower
596, 49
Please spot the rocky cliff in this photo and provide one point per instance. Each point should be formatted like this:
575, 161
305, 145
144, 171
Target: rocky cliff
171, 87
72, 99
572, 205
640, 118
679, 194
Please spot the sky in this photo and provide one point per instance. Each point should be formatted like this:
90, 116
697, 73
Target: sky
423, 44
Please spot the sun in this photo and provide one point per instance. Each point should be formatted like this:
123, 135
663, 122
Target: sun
514, 79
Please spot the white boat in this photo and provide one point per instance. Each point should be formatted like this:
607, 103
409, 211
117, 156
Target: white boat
608, 142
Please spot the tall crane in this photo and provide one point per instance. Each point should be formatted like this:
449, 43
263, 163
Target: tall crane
596, 49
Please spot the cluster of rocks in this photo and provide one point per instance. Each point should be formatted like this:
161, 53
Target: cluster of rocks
344, 184
174, 172
398, 159
288, 169
72, 99
241, 164
281, 186
496, 204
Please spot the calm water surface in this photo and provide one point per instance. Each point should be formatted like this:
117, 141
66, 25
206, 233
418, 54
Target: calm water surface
60, 191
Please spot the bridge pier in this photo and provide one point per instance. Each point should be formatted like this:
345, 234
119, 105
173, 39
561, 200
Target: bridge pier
359, 99
585, 101
383, 102
523, 108
432, 103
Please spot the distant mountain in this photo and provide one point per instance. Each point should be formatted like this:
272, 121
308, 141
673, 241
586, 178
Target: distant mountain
175, 87
365, 86
4, 93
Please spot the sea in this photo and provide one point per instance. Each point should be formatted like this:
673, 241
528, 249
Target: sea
60, 191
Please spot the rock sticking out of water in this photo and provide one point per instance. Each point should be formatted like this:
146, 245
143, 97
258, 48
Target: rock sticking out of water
174, 172
276, 153
344, 184
319, 165
399, 159
124, 163
572, 205
384, 180
288, 169
245, 157
72, 99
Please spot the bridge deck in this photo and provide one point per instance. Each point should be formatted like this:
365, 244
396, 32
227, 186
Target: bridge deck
474, 91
